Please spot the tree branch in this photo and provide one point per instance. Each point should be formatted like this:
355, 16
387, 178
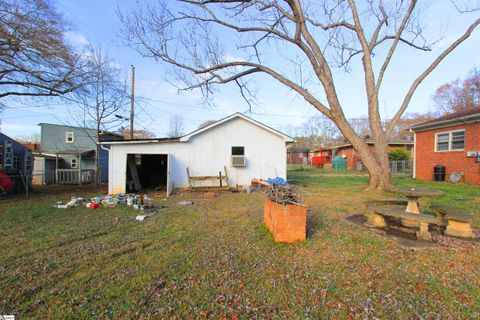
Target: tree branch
424, 74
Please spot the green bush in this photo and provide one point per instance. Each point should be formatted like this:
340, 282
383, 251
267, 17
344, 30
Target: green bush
398, 155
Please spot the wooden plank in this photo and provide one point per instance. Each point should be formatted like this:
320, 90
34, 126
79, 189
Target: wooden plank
134, 173
202, 178
209, 188
226, 175
403, 214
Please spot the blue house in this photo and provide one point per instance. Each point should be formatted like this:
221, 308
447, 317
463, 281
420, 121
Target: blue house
16, 161
67, 153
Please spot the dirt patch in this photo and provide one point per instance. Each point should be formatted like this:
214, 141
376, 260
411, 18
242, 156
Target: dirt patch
403, 236
406, 237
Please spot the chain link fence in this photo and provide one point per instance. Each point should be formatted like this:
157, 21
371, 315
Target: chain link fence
403, 168
21, 183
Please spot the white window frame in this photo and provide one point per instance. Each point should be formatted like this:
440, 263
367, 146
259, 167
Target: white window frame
72, 166
69, 133
450, 139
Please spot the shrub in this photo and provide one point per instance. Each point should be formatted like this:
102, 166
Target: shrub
398, 155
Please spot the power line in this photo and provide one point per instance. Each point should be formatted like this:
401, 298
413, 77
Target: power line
212, 111
94, 32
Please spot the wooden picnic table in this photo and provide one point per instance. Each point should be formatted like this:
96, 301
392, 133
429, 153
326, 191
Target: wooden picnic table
413, 194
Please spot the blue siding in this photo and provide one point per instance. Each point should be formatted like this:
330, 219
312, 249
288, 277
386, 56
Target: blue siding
18, 151
53, 140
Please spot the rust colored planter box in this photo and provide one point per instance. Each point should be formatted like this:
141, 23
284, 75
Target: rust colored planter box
288, 223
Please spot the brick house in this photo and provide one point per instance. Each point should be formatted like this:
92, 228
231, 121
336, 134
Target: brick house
353, 159
452, 141
298, 155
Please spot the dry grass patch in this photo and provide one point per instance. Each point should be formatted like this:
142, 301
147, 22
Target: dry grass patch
214, 259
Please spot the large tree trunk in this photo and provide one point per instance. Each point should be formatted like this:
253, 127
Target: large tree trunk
377, 164
376, 160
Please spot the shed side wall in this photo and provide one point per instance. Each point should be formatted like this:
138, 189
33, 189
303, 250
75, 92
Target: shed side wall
208, 152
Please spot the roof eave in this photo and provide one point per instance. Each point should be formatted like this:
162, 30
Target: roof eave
446, 123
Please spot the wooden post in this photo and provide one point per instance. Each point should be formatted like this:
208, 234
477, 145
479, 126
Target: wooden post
133, 171
220, 177
56, 168
189, 180
226, 176
80, 169
132, 102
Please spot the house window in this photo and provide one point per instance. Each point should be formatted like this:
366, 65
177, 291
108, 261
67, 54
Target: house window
409, 148
69, 137
450, 141
238, 151
16, 163
73, 163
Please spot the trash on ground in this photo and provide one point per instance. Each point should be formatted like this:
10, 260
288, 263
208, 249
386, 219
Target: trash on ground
92, 205
185, 203
149, 213
277, 180
138, 202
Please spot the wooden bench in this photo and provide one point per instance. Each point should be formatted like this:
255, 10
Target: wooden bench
376, 213
457, 221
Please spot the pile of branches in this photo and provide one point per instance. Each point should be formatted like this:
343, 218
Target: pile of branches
283, 194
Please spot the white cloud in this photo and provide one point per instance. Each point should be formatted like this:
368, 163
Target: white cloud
13, 129
76, 38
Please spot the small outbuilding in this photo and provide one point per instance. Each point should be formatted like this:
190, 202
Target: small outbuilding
236, 149
298, 155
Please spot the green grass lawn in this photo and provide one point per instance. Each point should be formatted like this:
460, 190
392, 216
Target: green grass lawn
215, 260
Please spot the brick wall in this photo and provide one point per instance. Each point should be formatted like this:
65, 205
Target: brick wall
298, 158
454, 161
353, 156
288, 223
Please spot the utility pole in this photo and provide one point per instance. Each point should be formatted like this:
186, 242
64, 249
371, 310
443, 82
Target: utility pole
132, 102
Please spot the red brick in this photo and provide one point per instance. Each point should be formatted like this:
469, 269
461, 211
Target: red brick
454, 161
287, 223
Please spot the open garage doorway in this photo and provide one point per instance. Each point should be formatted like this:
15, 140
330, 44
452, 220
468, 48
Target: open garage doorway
148, 172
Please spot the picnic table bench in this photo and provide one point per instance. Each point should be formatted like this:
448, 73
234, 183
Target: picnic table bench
457, 221
376, 213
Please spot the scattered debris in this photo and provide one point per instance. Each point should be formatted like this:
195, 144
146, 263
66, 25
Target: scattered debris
92, 205
185, 203
138, 202
277, 181
209, 195
149, 213
283, 194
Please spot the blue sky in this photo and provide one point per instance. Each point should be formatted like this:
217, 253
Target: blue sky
96, 21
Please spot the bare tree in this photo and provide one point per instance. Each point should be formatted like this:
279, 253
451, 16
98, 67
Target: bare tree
206, 123
457, 95
318, 132
176, 127
35, 59
101, 100
402, 129
275, 37
137, 134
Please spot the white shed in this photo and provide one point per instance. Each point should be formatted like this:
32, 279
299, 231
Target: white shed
245, 147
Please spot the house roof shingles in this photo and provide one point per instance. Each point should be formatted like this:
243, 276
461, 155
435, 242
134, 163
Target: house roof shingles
465, 115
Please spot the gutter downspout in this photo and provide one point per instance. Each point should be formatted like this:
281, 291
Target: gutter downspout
109, 164
414, 166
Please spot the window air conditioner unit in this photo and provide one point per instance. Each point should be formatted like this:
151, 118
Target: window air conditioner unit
238, 161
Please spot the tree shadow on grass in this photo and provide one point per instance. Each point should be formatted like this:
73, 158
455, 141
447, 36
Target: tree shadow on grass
314, 222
